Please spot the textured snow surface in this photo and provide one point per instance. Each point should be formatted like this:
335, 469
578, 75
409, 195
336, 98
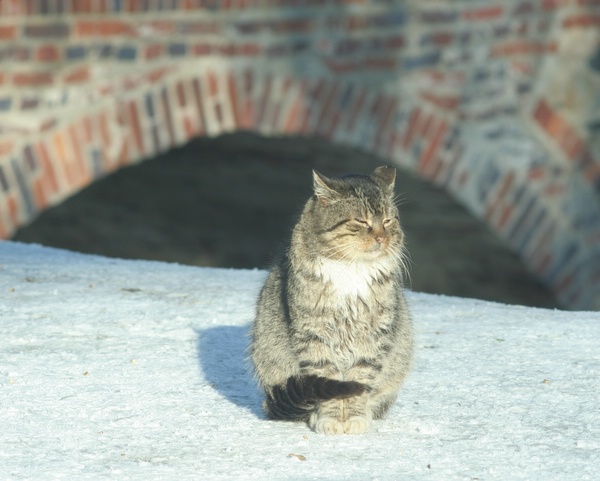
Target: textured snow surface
136, 370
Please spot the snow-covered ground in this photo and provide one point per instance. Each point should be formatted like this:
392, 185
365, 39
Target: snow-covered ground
135, 370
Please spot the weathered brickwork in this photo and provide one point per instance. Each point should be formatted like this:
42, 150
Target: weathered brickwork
496, 101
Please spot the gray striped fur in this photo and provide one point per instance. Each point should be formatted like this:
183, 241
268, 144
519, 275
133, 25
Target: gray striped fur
332, 340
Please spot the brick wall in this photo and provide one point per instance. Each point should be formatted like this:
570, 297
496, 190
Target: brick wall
497, 101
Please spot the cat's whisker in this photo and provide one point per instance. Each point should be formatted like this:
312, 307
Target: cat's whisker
344, 250
403, 258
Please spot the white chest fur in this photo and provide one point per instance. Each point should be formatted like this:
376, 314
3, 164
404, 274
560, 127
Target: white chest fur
349, 280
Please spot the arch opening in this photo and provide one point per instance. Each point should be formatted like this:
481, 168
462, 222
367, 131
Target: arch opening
230, 201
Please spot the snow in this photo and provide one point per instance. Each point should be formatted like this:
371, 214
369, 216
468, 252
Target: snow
136, 370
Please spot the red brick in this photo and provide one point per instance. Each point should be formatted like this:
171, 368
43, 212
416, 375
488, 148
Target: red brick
500, 195
76, 142
248, 81
48, 124
552, 123
426, 124
7, 32
413, 122
537, 173
250, 49
180, 94
48, 53
134, 6
14, 210
542, 112
507, 213
201, 49
553, 4
62, 158
155, 76
555, 126
102, 6
592, 173
442, 38
6, 147
163, 27
584, 20
395, 42
190, 4
134, 122
104, 28
213, 84
554, 189
82, 6
12, 7
356, 22
390, 108
88, 130
4, 233
293, 114
124, 157
32, 79
153, 51
444, 102
78, 75
330, 92
235, 103
484, 13
39, 193
48, 169
572, 144
434, 146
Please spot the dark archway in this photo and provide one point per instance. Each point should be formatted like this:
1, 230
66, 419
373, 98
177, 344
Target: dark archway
229, 201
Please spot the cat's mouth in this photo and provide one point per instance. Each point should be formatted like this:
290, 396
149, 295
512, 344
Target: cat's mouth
376, 250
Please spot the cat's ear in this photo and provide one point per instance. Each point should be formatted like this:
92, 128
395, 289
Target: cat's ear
323, 188
385, 177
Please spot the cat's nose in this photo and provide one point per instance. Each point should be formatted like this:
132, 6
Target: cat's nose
380, 239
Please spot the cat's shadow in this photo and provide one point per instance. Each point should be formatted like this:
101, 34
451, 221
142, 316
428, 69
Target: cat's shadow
223, 359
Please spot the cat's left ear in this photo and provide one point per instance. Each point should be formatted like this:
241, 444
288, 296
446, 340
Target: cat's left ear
323, 188
385, 177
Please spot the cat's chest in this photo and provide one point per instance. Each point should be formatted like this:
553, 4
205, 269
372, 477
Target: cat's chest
348, 280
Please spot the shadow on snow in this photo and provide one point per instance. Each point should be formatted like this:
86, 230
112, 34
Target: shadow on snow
222, 352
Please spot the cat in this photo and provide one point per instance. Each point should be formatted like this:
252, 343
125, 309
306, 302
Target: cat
332, 341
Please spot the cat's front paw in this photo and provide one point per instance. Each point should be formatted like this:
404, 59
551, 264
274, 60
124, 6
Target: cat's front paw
328, 426
357, 425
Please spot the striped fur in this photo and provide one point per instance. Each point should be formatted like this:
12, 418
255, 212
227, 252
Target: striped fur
332, 340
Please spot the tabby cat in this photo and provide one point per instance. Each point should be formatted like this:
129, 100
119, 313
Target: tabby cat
332, 341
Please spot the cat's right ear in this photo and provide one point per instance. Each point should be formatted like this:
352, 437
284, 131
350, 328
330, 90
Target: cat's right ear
323, 188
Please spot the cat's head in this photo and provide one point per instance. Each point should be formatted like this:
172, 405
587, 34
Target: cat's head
354, 217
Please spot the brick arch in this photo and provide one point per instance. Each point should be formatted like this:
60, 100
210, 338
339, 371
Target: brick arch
103, 84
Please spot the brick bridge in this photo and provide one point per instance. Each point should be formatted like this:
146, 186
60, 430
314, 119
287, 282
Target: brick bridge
496, 101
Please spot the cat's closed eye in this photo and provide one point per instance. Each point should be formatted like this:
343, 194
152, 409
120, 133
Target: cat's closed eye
364, 222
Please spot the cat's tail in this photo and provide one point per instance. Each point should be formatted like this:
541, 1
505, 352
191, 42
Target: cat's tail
295, 400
